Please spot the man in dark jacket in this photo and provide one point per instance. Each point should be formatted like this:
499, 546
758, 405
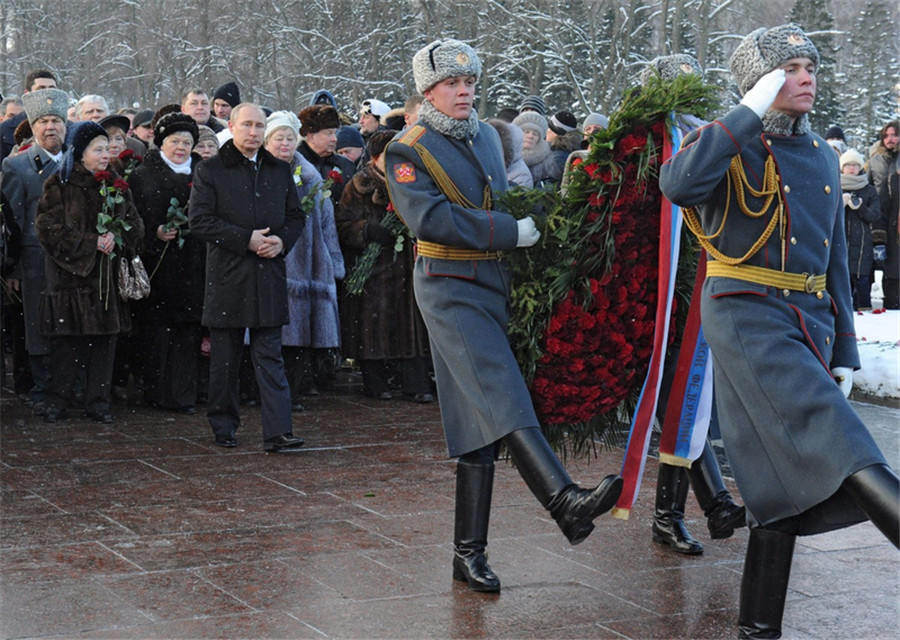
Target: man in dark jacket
318, 126
245, 206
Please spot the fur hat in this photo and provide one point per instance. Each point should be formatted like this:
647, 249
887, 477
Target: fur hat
349, 137
852, 156
670, 67
395, 119
162, 111
174, 123
228, 92
46, 102
282, 119
78, 137
532, 120
317, 117
534, 103
23, 132
595, 119
765, 49
444, 59
562, 122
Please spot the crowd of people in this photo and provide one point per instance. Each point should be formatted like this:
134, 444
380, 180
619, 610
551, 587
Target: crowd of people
252, 223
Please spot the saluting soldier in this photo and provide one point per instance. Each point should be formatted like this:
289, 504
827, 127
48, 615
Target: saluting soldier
778, 317
444, 174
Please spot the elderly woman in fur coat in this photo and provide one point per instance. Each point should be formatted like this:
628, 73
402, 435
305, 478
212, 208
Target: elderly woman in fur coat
310, 341
80, 308
383, 323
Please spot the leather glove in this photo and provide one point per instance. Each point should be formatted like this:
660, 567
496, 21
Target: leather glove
376, 233
528, 233
844, 378
764, 92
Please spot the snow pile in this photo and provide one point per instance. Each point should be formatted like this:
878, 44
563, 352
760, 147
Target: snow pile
878, 340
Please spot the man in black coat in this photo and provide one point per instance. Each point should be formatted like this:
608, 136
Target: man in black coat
245, 206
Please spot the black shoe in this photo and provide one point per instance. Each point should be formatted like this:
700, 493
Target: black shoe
671, 531
39, 408
727, 517
423, 398
103, 417
297, 407
52, 414
187, 411
229, 441
286, 442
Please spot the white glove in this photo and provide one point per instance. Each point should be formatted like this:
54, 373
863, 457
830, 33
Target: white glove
528, 233
844, 378
764, 92
846, 199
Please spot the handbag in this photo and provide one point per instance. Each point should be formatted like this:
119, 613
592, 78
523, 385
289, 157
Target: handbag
134, 283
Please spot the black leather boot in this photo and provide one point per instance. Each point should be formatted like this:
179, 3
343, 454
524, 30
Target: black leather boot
474, 486
573, 508
876, 490
767, 570
723, 515
668, 520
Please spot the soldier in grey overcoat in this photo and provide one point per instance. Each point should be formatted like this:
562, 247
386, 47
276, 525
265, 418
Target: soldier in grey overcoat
23, 180
443, 176
778, 317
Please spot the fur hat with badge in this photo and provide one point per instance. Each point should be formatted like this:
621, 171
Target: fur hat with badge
174, 123
670, 67
317, 117
46, 102
765, 49
444, 59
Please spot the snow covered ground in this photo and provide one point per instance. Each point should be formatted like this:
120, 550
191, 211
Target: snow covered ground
878, 339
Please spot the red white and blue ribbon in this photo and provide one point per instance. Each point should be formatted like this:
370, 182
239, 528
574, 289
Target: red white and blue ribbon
689, 410
639, 435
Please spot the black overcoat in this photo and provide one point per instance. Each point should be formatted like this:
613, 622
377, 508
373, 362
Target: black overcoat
229, 199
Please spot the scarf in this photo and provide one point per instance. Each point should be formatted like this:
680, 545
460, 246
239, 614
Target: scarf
184, 168
450, 127
536, 154
853, 183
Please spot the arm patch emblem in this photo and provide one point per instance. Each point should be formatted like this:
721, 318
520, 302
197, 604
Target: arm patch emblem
404, 173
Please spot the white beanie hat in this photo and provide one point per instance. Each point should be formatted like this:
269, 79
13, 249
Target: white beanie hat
852, 156
281, 119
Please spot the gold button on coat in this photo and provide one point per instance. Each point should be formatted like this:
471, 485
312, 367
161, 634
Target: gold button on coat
827, 188
793, 240
827, 339
826, 242
820, 295
786, 292
816, 144
787, 188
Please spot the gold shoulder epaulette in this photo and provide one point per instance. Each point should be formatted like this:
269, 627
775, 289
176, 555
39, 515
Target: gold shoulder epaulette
412, 136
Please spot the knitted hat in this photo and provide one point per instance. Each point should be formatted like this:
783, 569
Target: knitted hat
142, 117
317, 117
228, 92
46, 102
280, 120
173, 123
116, 121
376, 107
595, 119
78, 137
562, 122
349, 137
670, 67
532, 120
765, 49
323, 96
852, 156
835, 131
206, 135
534, 103
444, 59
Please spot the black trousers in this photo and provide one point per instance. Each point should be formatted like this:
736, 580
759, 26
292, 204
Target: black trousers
77, 356
170, 376
223, 410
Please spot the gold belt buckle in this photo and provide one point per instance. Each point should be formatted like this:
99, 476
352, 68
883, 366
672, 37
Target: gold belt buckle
810, 285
